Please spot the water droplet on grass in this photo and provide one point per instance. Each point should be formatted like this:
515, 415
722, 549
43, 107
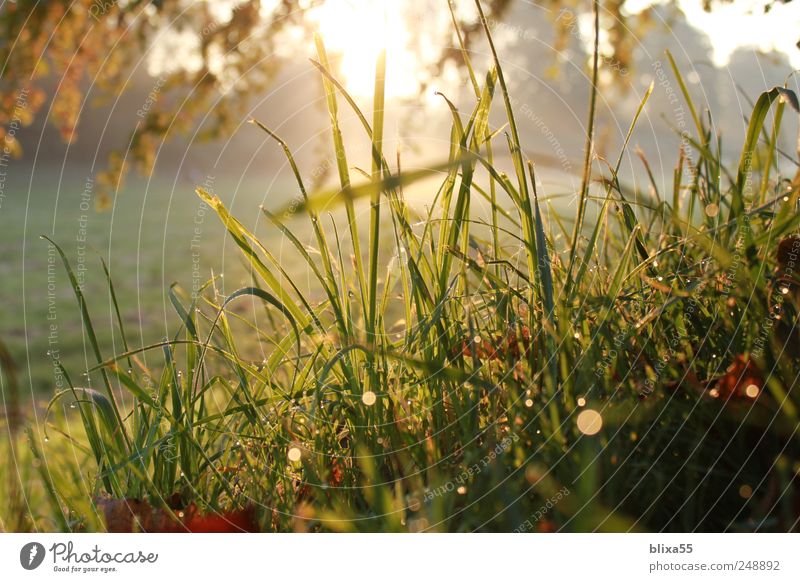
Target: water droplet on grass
589, 422
752, 391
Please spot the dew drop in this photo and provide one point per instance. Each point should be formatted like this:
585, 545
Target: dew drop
589, 422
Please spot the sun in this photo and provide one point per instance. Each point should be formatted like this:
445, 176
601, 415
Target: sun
355, 31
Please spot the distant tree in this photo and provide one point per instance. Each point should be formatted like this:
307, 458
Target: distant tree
83, 42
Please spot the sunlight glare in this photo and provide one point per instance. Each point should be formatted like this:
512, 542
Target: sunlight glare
355, 31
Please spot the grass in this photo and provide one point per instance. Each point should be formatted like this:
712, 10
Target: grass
454, 372
144, 257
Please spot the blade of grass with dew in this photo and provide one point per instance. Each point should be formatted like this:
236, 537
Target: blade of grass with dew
544, 276
330, 198
241, 237
375, 202
123, 441
588, 149
689, 102
344, 173
515, 144
331, 286
596, 231
757, 119
113, 294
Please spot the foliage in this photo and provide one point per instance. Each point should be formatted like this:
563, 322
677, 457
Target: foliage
458, 371
98, 50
